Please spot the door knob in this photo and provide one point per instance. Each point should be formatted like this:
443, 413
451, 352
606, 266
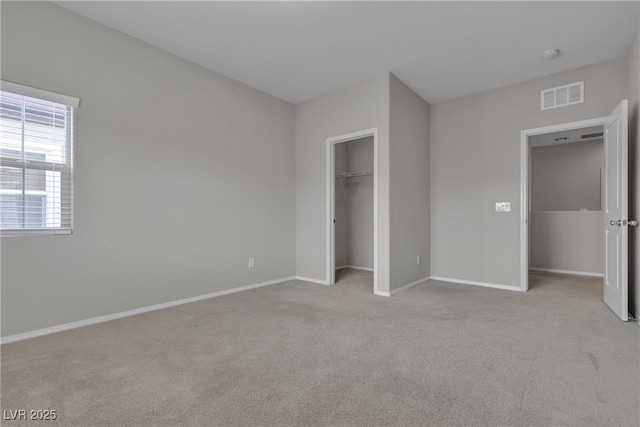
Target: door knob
633, 223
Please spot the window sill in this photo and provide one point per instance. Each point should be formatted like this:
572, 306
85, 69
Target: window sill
15, 233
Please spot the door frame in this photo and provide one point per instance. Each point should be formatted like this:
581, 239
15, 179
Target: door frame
525, 177
330, 201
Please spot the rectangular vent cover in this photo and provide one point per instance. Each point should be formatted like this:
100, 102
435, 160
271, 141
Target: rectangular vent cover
562, 96
592, 135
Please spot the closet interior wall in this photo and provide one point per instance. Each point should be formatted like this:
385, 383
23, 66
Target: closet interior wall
566, 216
354, 204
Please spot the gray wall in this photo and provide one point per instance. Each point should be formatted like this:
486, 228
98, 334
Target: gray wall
181, 175
566, 177
475, 152
402, 118
570, 241
410, 211
359, 107
634, 173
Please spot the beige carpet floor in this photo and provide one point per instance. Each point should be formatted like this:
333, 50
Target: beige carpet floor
298, 353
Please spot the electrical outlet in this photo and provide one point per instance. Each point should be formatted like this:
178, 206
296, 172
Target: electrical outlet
503, 207
418, 260
252, 262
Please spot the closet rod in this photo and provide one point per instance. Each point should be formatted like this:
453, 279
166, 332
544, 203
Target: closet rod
352, 174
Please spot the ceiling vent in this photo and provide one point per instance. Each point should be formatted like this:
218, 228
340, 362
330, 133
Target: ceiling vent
592, 135
562, 96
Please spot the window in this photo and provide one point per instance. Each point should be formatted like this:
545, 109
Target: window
36, 161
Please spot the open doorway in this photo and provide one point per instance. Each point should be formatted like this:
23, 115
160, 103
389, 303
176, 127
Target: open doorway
565, 202
352, 208
566, 239
614, 202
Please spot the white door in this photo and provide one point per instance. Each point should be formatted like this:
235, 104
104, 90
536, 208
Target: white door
616, 227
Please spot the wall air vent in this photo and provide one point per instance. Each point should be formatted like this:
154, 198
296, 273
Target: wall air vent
562, 96
592, 135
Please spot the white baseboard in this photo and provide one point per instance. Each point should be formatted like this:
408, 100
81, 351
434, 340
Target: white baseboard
475, 283
401, 288
634, 314
354, 267
120, 315
409, 285
308, 279
572, 272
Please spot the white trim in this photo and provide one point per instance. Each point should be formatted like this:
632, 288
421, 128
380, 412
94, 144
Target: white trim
309, 279
634, 314
330, 262
475, 283
329, 203
33, 92
382, 294
572, 272
122, 314
409, 285
354, 267
524, 185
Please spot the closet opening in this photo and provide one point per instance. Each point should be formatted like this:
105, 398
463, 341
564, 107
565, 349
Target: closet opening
565, 204
351, 209
559, 229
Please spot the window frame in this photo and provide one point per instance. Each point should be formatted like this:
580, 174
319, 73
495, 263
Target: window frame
65, 168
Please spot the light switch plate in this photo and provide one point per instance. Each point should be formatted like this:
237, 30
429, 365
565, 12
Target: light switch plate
503, 206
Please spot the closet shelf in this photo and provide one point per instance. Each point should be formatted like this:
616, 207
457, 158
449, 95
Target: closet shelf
352, 174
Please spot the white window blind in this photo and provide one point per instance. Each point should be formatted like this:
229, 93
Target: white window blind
36, 164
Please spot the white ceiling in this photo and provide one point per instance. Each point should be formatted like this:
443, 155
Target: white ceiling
442, 50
